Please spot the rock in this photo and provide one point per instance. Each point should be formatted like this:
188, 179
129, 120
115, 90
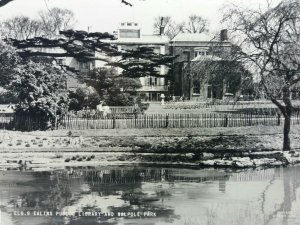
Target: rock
221, 162
190, 155
242, 162
263, 161
207, 163
244, 159
208, 155
277, 163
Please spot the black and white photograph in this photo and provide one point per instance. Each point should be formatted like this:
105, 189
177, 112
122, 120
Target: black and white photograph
149, 112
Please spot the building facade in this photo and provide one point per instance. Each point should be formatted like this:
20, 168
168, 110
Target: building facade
189, 49
130, 37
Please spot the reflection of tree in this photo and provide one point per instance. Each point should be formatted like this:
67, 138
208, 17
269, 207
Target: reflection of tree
128, 183
59, 190
263, 195
55, 194
291, 183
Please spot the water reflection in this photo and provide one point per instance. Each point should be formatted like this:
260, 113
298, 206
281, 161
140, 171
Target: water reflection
158, 196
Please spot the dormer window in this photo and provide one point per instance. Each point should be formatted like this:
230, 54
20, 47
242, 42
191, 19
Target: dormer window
203, 53
129, 24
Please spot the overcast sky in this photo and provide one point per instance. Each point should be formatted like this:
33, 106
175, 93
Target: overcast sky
105, 15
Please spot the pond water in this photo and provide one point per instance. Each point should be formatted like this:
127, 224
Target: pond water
150, 196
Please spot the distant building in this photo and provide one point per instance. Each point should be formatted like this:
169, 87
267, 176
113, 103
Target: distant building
69, 63
130, 36
191, 48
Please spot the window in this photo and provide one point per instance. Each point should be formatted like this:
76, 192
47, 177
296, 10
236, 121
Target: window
153, 81
60, 62
186, 56
197, 53
129, 24
196, 87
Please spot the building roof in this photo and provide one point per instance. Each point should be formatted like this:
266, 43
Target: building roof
144, 39
190, 37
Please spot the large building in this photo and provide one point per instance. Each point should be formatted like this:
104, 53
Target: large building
190, 49
129, 37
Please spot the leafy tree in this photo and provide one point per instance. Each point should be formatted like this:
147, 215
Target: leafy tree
114, 89
9, 61
270, 46
41, 94
38, 85
83, 97
8, 97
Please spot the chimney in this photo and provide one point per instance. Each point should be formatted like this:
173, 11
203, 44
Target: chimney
161, 30
224, 35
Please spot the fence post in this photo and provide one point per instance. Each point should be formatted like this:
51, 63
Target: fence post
226, 121
167, 120
135, 120
278, 119
114, 121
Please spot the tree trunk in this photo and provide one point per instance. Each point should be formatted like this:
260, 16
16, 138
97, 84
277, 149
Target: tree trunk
287, 113
286, 133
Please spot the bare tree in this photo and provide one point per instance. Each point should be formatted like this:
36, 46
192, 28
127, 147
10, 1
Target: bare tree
21, 27
174, 29
48, 24
4, 2
196, 24
56, 20
270, 46
160, 23
165, 24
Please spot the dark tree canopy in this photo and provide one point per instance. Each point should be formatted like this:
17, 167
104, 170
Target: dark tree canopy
78, 44
4, 2
84, 47
141, 62
38, 85
114, 89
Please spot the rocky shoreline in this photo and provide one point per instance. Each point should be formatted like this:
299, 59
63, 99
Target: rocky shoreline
36, 152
